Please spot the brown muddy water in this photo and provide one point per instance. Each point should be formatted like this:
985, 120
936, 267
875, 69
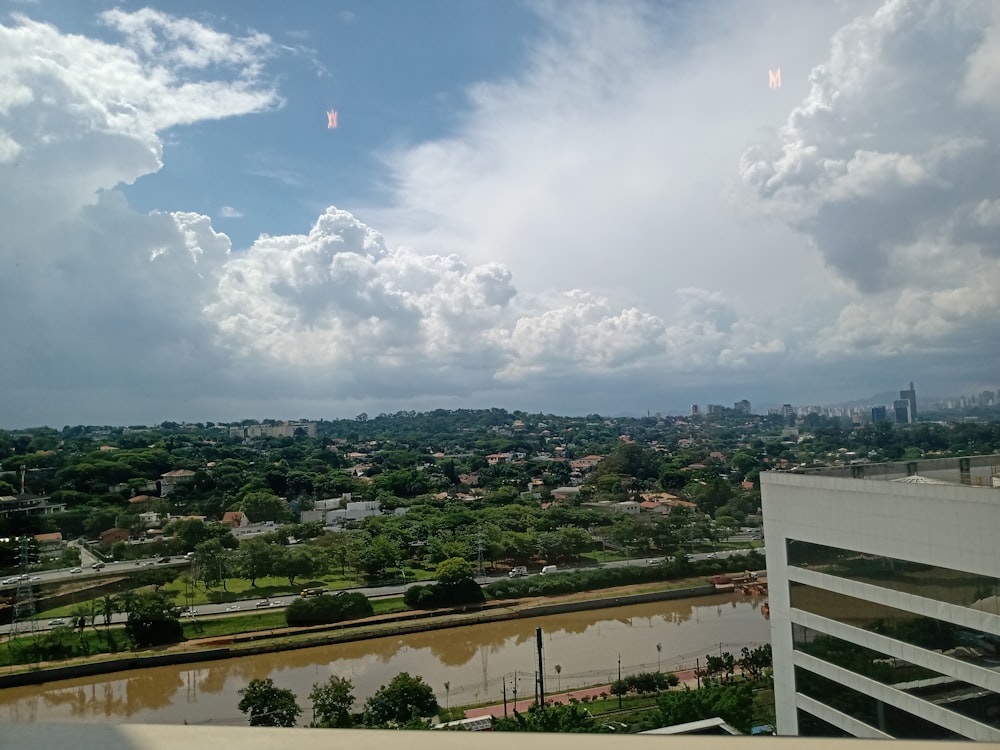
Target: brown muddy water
474, 660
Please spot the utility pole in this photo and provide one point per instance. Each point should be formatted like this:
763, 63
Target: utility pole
479, 548
619, 680
541, 668
505, 696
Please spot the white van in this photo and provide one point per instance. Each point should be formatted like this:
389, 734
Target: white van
548, 569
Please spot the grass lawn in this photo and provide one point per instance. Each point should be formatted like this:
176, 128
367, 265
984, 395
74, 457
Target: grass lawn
602, 557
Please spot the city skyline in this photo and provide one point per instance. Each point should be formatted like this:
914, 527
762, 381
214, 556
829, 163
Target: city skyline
572, 208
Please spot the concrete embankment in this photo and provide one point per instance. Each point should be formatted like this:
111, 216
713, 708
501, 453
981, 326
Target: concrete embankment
286, 639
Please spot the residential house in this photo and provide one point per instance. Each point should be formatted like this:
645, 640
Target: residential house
111, 536
170, 480
28, 506
50, 545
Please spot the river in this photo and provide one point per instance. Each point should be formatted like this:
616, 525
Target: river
474, 660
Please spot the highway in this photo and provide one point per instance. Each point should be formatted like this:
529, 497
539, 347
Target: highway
258, 604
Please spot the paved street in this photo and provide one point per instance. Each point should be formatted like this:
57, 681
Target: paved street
257, 604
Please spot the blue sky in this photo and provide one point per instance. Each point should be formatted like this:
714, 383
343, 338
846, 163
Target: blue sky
562, 206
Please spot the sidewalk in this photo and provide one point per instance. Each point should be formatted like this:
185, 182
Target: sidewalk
687, 677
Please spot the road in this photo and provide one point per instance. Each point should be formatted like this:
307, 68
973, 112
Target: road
257, 604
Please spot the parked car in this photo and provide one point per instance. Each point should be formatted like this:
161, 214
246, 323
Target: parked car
76, 570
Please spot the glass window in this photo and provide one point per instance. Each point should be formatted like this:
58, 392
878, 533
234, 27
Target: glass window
964, 644
942, 584
865, 708
967, 700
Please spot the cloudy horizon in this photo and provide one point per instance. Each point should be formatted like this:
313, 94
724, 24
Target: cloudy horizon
572, 208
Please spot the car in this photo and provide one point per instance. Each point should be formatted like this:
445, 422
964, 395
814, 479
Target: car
653, 561
57, 621
23, 577
36, 578
98, 566
189, 612
263, 604
164, 559
277, 603
711, 556
232, 608
76, 570
8, 581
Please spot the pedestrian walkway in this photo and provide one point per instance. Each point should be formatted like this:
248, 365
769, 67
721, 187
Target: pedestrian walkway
687, 678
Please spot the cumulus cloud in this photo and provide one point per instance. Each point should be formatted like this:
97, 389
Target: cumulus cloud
572, 234
889, 166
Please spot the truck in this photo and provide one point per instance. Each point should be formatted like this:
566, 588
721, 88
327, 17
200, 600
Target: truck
548, 569
319, 590
518, 571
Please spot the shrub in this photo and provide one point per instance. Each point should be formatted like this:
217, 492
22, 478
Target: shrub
463, 591
326, 608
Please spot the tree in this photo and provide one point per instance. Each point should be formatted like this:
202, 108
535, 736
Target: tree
557, 717
155, 577
733, 703
380, 553
255, 559
454, 569
292, 562
212, 563
332, 703
404, 698
264, 506
267, 705
152, 620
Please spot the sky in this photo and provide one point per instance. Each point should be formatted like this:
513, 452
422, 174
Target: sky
571, 207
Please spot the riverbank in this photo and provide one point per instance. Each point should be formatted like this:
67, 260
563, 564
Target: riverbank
282, 639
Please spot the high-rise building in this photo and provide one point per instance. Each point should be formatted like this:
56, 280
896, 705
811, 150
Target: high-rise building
884, 586
742, 406
694, 410
878, 414
910, 396
901, 410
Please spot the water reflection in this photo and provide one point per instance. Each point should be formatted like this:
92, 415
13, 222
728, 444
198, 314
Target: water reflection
474, 659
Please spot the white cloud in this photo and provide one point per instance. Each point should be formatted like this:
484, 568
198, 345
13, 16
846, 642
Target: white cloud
609, 167
229, 212
889, 165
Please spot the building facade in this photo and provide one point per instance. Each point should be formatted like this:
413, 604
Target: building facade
884, 585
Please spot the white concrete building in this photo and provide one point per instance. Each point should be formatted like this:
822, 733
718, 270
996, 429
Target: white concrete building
884, 584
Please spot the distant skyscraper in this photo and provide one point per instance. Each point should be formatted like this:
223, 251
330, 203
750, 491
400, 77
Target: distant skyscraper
743, 406
901, 410
910, 396
787, 410
878, 414
694, 410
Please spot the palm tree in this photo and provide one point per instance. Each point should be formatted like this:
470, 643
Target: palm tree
107, 608
559, 677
